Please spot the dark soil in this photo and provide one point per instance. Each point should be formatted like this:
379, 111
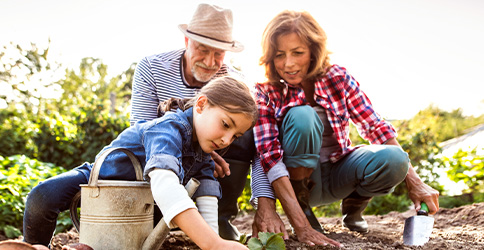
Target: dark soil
457, 228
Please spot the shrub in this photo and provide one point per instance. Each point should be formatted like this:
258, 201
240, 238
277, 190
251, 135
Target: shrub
18, 175
65, 140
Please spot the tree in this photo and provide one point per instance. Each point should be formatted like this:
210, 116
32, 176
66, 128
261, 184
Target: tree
90, 84
27, 76
467, 166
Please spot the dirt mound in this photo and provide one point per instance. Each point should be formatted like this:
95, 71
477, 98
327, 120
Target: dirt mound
457, 228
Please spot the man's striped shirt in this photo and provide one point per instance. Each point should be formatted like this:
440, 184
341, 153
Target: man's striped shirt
160, 77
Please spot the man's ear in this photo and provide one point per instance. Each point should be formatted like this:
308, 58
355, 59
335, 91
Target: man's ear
186, 42
201, 103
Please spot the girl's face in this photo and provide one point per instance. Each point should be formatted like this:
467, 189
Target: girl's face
215, 128
292, 58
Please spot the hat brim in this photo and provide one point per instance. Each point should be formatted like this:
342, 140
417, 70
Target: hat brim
233, 47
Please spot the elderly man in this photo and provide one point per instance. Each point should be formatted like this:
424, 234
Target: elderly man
180, 74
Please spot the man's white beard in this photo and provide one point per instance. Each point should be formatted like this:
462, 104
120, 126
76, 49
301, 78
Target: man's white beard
202, 77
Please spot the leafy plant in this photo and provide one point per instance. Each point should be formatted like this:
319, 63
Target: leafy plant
65, 140
329, 210
18, 175
388, 203
243, 239
467, 166
267, 241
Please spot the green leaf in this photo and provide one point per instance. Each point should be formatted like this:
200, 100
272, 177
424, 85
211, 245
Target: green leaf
264, 237
255, 244
243, 239
276, 242
11, 232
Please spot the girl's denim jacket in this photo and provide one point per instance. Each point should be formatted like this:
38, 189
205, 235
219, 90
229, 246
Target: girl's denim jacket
165, 143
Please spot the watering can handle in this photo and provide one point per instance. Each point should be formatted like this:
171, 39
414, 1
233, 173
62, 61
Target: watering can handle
93, 178
73, 211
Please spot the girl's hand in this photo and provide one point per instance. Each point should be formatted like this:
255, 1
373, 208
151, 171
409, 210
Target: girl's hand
228, 244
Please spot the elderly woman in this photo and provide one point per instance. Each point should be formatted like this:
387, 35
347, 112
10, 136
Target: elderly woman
302, 137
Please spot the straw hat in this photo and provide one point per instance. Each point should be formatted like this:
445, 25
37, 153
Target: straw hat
212, 26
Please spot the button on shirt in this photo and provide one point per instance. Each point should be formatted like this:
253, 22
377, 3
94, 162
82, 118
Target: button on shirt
339, 94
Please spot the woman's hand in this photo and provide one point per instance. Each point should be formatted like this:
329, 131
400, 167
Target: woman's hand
305, 233
312, 237
420, 192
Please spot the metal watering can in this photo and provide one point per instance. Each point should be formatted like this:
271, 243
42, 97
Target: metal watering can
118, 214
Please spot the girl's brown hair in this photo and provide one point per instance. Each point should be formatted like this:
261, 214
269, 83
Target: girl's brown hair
310, 32
225, 92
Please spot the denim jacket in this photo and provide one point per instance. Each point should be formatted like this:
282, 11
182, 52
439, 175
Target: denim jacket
165, 143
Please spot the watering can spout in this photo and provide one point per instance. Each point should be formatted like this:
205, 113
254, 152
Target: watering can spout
156, 238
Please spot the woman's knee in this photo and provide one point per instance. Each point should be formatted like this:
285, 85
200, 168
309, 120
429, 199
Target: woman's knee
397, 164
303, 120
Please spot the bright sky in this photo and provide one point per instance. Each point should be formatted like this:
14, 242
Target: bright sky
406, 54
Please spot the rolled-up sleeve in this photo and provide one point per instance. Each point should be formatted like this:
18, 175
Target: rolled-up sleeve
163, 143
266, 131
259, 183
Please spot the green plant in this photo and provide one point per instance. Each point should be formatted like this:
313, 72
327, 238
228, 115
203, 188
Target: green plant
456, 201
329, 210
267, 241
65, 140
244, 199
467, 166
18, 175
17, 130
388, 203
243, 239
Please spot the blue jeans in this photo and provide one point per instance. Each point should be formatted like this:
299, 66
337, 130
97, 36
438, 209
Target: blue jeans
46, 201
371, 170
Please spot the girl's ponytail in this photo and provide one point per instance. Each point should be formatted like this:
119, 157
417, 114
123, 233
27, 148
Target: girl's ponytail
172, 104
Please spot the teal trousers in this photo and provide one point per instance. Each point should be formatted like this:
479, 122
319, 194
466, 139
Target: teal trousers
370, 170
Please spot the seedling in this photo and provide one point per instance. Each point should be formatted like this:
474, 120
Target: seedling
267, 241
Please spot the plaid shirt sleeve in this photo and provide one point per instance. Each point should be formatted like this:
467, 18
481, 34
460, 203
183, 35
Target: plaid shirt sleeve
266, 131
369, 123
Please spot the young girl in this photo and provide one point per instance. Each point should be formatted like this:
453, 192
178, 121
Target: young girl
172, 149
